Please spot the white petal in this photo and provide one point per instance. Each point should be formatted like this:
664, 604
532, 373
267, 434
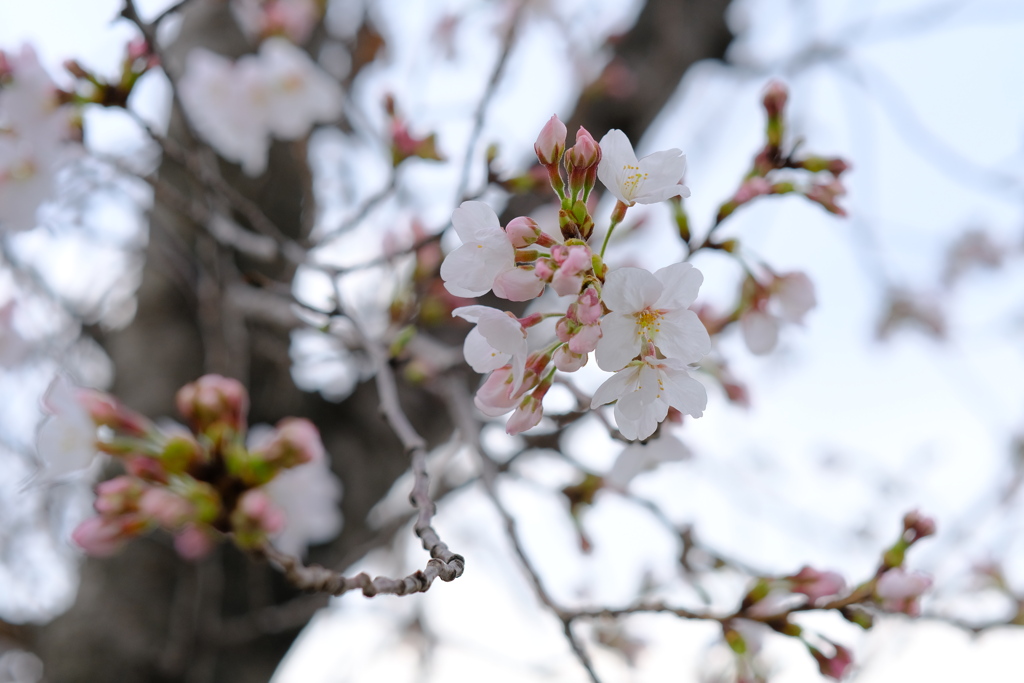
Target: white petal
471, 268
628, 290
517, 284
503, 332
472, 313
616, 157
661, 173
480, 355
473, 220
760, 331
619, 343
683, 336
619, 384
681, 282
684, 393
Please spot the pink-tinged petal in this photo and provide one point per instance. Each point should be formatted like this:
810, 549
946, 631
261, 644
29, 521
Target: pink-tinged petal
683, 392
760, 331
526, 416
619, 343
496, 396
480, 355
683, 336
475, 220
680, 282
628, 290
616, 386
586, 339
794, 293
518, 284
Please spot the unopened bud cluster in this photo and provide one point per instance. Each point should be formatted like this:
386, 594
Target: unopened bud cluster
201, 483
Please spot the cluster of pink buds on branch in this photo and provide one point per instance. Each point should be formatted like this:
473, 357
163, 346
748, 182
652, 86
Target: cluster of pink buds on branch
202, 483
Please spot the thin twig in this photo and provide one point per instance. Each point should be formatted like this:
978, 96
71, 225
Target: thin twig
492, 87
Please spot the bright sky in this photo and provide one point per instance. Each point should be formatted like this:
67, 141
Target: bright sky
846, 433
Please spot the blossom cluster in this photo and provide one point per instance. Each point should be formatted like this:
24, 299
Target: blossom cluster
637, 323
200, 482
37, 136
239, 106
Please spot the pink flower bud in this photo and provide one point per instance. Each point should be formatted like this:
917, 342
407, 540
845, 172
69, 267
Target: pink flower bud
586, 153
826, 195
147, 469
106, 410
775, 97
835, 666
494, 397
544, 269
522, 232
118, 495
296, 441
526, 416
585, 340
551, 142
564, 329
919, 525
815, 584
99, 536
567, 361
254, 518
194, 543
751, 188
588, 307
167, 509
518, 284
212, 400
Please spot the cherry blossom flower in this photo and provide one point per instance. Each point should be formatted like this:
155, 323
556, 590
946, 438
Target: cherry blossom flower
66, 441
816, 584
526, 416
651, 307
551, 142
644, 391
308, 496
650, 180
237, 106
786, 300
486, 258
292, 18
34, 134
498, 339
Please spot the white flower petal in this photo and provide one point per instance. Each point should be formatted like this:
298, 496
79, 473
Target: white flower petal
617, 385
475, 220
683, 336
628, 290
680, 282
480, 355
619, 343
760, 331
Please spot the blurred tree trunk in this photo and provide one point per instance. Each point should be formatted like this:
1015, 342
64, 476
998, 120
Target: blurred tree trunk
146, 616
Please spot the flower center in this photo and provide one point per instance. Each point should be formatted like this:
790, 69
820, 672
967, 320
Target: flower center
649, 321
632, 182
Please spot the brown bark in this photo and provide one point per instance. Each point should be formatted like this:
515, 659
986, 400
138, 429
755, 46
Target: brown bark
146, 616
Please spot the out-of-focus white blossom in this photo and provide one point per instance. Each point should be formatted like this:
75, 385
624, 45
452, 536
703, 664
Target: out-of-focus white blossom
66, 441
308, 495
650, 180
294, 19
645, 389
35, 136
786, 300
238, 106
652, 307
14, 348
638, 458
